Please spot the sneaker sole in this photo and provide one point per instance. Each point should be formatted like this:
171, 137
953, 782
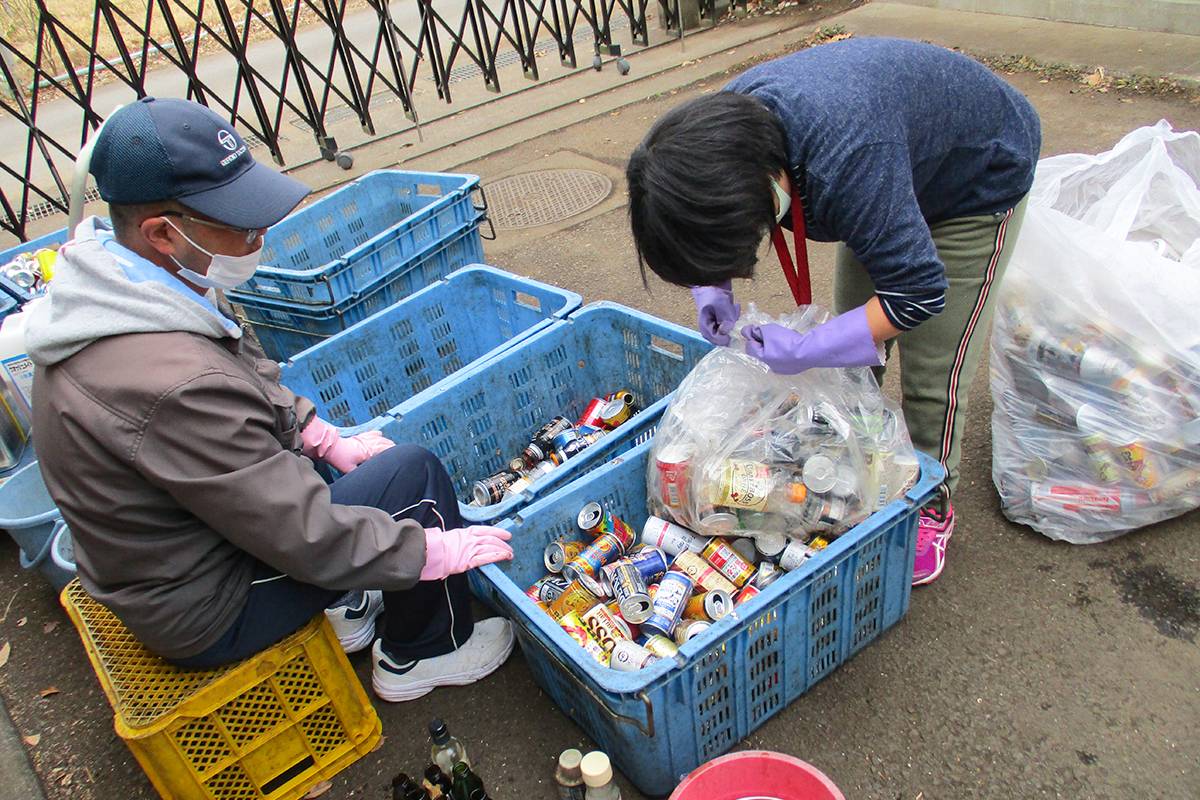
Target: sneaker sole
456, 679
364, 637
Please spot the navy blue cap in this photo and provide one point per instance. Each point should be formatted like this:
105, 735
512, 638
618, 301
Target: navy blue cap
171, 149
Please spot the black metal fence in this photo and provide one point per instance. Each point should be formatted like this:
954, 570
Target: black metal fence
390, 46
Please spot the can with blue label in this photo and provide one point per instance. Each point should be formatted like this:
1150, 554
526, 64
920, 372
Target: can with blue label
651, 562
673, 592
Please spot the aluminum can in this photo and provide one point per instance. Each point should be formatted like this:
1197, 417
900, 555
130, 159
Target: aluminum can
770, 544
616, 413
673, 592
547, 589
590, 417
672, 539
630, 592
743, 484
1136, 460
820, 474
594, 519
547, 432
573, 625
533, 454
767, 574
604, 549
1074, 498
690, 629
559, 552
672, 464
651, 562
705, 575
563, 438
711, 606
603, 626
721, 555
573, 448
623, 394
574, 598
628, 656
596, 585
797, 552
1104, 468
661, 646
491, 489
748, 592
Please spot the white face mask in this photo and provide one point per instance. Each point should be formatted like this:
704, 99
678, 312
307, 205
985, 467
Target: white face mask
224, 272
785, 200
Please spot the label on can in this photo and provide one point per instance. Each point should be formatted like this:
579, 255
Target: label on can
603, 627
547, 589
704, 575
1076, 498
711, 605
748, 591
573, 625
1135, 460
594, 519
661, 646
650, 562
559, 553
574, 598
605, 549
672, 539
689, 629
590, 418
628, 656
672, 464
673, 592
721, 555
743, 484
630, 591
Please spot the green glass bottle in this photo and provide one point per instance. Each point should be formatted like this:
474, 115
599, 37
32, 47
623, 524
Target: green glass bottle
464, 782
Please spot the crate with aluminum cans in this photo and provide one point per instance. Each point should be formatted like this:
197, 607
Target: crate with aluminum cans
668, 647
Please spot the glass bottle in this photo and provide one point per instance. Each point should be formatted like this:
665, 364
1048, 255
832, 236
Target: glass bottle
597, 774
437, 781
465, 782
447, 750
568, 776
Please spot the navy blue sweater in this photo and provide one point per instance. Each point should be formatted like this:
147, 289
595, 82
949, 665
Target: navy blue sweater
886, 137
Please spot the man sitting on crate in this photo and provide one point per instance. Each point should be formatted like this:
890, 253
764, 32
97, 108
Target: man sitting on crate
182, 465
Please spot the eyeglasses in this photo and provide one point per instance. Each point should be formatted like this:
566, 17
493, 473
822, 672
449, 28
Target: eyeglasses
252, 234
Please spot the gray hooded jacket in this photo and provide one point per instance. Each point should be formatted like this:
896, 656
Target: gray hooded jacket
174, 454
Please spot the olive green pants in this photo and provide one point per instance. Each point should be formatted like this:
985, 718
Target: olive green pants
939, 357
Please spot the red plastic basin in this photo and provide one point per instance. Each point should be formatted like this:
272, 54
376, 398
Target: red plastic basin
757, 775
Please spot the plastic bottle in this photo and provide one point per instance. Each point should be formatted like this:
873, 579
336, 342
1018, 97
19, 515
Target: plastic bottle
568, 776
447, 750
598, 776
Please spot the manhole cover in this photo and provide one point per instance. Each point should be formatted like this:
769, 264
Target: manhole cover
529, 199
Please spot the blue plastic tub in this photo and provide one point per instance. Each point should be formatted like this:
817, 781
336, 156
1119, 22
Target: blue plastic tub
56, 560
390, 357
28, 513
662, 722
483, 416
285, 329
358, 236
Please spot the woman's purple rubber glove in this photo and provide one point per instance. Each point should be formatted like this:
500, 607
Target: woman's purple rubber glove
324, 441
716, 311
451, 552
844, 341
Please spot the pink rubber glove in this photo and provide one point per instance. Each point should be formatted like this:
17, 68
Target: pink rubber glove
325, 441
451, 552
844, 341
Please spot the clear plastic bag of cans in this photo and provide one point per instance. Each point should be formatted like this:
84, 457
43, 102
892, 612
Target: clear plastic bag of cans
789, 461
1095, 352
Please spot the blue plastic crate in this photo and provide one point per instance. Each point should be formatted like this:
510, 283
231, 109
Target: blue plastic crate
285, 329
53, 239
483, 416
661, 722
8, 304
356, 237
469, 317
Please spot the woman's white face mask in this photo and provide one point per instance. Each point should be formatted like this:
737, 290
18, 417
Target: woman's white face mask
224, 272
783, 199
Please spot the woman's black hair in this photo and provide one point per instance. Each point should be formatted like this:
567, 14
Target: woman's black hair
700, 197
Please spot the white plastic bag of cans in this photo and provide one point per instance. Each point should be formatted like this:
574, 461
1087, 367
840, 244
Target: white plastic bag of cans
1095, 355
779, 459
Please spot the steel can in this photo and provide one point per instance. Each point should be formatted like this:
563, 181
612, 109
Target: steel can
672, 464
573, 598
616, 413
673, 592
721, 555
629, 590
547, 589
748, 592
604, 627
629, 656
797, 552
604, 549
623, 394
573, 625
767, 574
547, 432
661, 646
651, 562
703, 574
594, 519
690, 629
822, 513
743, 484
711, 605
770, 544
590, 418
820, 474
559, 552
491, 489
596, 585
672, 539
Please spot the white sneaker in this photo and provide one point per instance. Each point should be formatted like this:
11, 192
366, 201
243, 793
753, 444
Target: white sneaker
353, 618
490, 644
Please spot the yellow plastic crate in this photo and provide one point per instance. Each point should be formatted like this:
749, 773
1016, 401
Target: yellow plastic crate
268, 727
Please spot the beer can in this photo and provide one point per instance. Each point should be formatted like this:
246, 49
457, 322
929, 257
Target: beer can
590, 418
573, 598
743, 484
563, 438
533, 455
672, 464
690, 629
797, 552
820, 474
672, 539
547, 589
651, 562
573, 625
661, 646
629, 589
705, 575
748, 592
573, 448
594, 519
628, 656
604, 627
491, 489
711, 605
616, 413
721, 555
547, 432
673, 592
623, 394
596, 585
605, 549
767, 574
770, 544
559, 552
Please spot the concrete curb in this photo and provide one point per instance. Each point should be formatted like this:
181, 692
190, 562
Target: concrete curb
19, 777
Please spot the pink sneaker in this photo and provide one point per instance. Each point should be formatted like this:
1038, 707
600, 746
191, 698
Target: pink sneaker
933, 534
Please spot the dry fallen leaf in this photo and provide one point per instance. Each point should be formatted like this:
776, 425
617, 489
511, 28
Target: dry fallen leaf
49, 627
49, 690
318, 790
21, 622
5, 650
32, 739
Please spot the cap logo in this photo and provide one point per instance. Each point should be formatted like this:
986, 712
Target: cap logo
227, 141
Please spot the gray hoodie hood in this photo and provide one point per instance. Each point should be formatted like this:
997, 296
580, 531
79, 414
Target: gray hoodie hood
101, 289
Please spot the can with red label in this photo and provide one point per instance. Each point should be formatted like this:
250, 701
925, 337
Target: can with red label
605, 549
575, 628
672, 539
672, 463
748, 591
704, 575
615, 413
604, 627
594, 519
721, 555
591, 415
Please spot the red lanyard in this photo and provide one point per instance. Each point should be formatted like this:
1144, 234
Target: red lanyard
797, 279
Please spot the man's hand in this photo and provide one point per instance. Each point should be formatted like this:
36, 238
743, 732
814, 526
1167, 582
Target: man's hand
844, 341
324, 441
